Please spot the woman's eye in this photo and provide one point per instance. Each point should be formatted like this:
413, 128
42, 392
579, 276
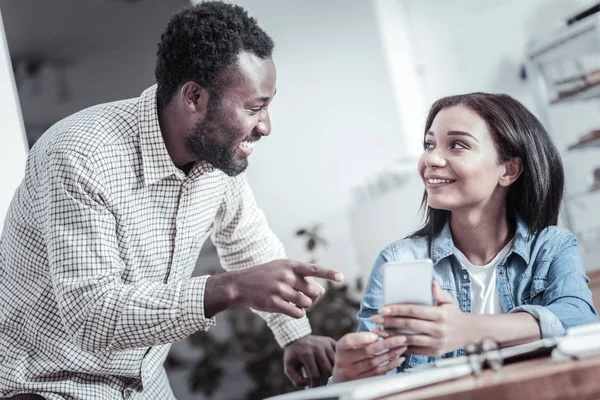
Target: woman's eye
458, 145
428, 145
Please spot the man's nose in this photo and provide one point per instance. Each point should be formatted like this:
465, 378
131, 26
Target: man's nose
263, 127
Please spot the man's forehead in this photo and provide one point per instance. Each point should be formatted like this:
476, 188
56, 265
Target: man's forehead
250, 73
250, 62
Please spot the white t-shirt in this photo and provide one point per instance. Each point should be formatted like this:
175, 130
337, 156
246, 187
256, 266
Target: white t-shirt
485, 298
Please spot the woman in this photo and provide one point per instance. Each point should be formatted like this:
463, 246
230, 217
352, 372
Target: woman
502, 268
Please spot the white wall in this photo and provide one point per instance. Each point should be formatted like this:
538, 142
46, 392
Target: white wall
334, 117
479, 45
13, 151
395, 31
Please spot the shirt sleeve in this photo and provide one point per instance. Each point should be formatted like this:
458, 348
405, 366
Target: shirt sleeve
98, 309
565, 299
372, 299
243, 239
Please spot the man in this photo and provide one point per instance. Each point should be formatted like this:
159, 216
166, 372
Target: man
102, 235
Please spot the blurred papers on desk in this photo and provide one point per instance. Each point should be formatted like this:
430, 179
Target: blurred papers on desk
373, 388
579, 342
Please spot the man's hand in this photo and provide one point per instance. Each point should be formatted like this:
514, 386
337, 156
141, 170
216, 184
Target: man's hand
442, 328
361, 355
315, 353
280, 286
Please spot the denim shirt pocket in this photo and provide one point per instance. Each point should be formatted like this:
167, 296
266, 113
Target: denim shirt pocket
538, 285
450, 287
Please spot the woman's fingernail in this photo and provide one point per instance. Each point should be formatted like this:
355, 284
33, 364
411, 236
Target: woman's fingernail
383, 333
377, 319
384, 311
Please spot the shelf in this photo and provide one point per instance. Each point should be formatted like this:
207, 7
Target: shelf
568, 42
586, 145
587, 93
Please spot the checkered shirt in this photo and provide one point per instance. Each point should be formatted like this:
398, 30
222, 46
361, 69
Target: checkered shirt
97, 252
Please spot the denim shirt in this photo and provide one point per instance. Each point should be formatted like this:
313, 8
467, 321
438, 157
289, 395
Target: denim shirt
542, 275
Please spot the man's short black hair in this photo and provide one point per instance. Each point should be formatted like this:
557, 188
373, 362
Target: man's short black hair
201, 41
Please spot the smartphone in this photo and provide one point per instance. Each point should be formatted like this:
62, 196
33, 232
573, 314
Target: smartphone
408, 282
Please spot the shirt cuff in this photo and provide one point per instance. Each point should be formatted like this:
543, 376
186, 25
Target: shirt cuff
193, 309
550, 325
287, 329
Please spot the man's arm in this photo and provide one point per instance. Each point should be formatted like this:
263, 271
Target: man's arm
244, 239
99, 311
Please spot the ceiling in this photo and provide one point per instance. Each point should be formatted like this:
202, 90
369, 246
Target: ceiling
70, 29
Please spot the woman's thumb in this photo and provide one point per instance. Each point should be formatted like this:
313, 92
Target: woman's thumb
440, 295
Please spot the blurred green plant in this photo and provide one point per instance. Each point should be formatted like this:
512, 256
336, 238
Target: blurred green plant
252, 342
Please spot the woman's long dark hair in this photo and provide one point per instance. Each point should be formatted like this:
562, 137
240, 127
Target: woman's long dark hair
537, 194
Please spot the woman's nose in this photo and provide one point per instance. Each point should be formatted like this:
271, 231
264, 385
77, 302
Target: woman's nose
435, 158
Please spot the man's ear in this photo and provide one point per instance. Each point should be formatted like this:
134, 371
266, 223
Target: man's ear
194, 98
513, 168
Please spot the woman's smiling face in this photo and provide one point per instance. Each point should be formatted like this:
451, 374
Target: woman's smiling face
459, 166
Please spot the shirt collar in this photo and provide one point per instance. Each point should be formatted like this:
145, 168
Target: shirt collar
442, 244
156, 161
521, 244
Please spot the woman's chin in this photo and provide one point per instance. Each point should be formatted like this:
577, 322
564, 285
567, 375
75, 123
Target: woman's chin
440, 205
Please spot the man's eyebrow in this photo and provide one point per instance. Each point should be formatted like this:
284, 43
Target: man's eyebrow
266, 98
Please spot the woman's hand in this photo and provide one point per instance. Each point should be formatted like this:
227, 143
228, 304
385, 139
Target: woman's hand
441, 328
362, 354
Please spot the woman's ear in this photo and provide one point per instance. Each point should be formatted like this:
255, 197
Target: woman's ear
512, 170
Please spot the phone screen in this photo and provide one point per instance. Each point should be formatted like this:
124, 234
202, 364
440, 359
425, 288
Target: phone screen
408, 282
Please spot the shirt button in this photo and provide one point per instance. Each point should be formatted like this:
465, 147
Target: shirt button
501, 272
465, 277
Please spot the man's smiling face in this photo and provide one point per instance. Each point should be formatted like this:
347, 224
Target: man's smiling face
237, 115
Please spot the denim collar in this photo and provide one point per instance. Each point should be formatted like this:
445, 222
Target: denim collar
442, 244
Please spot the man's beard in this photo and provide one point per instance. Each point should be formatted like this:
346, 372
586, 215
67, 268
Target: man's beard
203, 144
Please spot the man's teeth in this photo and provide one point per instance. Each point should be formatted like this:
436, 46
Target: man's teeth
247, 145
439, 180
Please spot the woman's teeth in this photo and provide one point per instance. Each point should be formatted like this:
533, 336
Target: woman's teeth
439, 180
